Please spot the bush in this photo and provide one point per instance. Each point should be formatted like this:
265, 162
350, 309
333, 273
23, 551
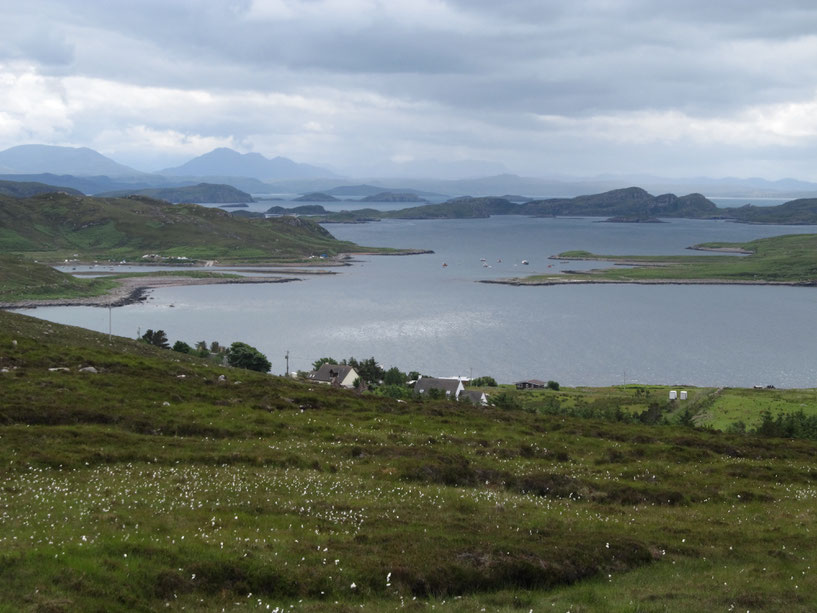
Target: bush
507, 401
553, 385
242, 355
182, 347
483, 382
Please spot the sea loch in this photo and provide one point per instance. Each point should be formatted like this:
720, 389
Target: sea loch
415, 313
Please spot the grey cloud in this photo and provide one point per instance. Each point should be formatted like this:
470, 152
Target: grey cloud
521, 58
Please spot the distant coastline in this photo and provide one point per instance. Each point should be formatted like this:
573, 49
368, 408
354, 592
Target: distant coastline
599, 281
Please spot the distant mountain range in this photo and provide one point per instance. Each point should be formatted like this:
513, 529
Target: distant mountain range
230, 163
92, 173
81, 161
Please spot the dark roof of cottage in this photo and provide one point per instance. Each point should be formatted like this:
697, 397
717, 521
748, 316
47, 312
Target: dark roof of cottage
430, 383
533, 382
474, 396
327, 372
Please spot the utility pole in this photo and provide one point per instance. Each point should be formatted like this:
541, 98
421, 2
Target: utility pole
287, 359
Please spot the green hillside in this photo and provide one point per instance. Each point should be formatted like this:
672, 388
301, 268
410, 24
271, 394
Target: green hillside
58, 226
26, 189
203, 192
22, 279
790, 259
163, 482
802, 211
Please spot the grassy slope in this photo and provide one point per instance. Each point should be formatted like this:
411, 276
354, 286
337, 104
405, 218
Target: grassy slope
21, 279
55, 226
791, 258
153, 485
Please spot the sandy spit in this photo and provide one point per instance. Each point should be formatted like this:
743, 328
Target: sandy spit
133, 289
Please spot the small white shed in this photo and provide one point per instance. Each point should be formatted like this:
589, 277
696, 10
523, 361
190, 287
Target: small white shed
683, 395
673, 395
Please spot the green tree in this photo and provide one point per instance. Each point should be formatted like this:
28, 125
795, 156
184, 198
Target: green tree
182, 347
553, 385
369, 370
321, 361
482, 382
394, 376
242, 355
157, 338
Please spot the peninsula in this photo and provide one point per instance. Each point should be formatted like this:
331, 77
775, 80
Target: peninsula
58, 227
779, 260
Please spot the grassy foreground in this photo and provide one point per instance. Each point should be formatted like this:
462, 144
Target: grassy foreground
155, 484
788, 259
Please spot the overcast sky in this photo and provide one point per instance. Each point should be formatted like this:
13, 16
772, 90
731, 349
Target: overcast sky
537, 87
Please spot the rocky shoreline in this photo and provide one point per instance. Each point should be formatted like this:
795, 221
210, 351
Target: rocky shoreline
131, 290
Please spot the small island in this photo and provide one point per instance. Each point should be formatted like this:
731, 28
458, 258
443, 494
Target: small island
316, 197
633, 219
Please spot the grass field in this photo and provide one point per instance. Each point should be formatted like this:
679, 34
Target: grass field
155, 484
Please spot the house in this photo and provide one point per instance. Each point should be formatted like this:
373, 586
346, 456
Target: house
339, 375
474, 397
531, 384
452, 388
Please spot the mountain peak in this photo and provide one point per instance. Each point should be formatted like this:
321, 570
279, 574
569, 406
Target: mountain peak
226, 162
78, 161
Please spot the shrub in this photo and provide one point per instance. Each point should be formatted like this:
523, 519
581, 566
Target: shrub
182, 347
242, 355
483, 382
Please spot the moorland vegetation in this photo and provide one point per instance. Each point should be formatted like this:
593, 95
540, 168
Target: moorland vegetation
161, 480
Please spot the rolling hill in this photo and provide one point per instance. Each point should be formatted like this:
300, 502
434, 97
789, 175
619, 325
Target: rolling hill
56, 226
26, 189
203, 192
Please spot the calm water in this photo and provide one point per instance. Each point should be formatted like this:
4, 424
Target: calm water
416, 314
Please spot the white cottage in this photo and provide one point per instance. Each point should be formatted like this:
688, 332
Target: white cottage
340, 375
